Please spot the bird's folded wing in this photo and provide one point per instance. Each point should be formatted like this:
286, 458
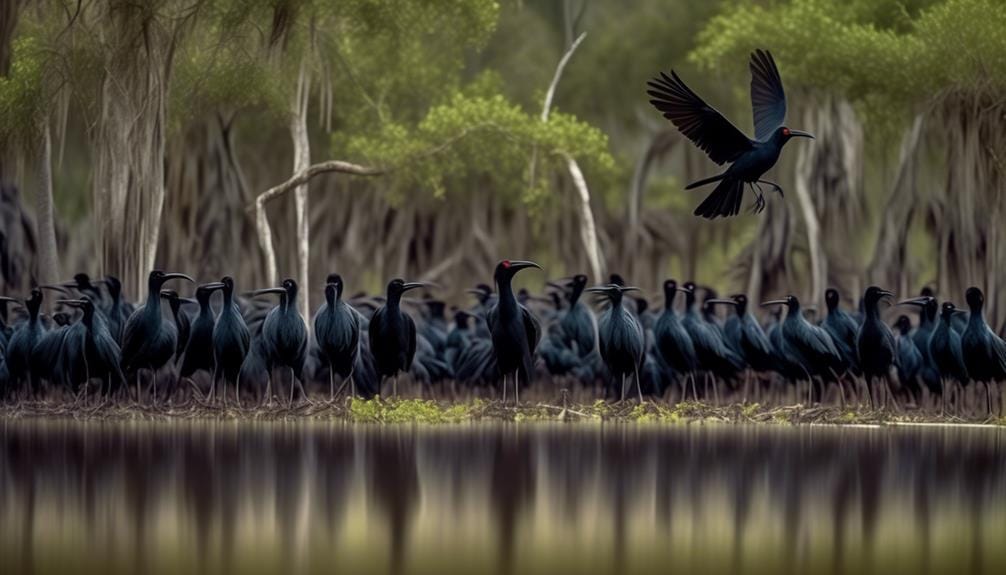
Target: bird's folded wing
698, 121
768, 101
531, 328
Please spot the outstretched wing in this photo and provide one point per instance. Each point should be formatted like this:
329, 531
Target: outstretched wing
767, 97
698, 121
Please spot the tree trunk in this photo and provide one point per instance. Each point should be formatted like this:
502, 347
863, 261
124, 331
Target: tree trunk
48, 258
301, 162
818, 261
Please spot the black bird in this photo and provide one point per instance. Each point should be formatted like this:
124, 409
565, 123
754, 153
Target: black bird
337, 333
984, 351
909, 359
23, 341
945, 350
842, 328
459, 338
804, 345
284, 336
929, 372
875, 345
183, 322
5, 329
723, 142
148, 342
119, 310
45, 359
673, 342
748, 338
711, 350
89, 351
231, 339
198, 353
577, 324
392, 334
620, 337
515, 331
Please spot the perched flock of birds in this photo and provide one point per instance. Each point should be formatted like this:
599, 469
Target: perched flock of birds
97, 344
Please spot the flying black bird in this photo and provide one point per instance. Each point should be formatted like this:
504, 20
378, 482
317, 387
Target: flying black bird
514, 329
723, 142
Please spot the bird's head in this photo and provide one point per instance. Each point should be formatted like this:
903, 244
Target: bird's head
616, 279
975, 299
903, 324
204, 291
947, 310
176, 300
461, 318
831, 299
612, 291
784, 134
874, 294
157, 278
689, 290
114, 286
670, 290
81, 281
34, 301
506, 269
398, 286
334, 283
228, 282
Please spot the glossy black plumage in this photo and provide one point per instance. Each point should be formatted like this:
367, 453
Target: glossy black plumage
337, 332
148, 342
713, 354
803, 344
929, 372
513, 329
671, 339
23, 341
875, 343
183, 321
231, 337
620, 338
984, 351
89, 351
722, 141
284, 334
945, 347
842, 328
392, 333
198, 353
909, 358
747, 336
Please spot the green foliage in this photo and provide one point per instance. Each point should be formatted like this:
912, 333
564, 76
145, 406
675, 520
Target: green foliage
413, 411
885, 60
478, 139
22, 92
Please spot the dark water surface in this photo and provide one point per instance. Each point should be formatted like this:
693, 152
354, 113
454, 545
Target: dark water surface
322, 498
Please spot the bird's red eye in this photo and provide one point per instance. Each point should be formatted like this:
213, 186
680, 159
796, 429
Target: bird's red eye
785, 131
506, 263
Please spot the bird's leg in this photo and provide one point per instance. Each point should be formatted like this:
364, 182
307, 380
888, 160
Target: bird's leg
623, 389
331, 384
516, 389
504, 391
988, 397
268, 389
394, 386
774, 185
292, 383
695, 390
716, 391
639, 387
759, 204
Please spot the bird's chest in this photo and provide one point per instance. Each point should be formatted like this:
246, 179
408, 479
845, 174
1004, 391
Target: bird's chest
754, 164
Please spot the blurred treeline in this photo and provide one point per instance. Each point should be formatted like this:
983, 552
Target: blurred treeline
140, 132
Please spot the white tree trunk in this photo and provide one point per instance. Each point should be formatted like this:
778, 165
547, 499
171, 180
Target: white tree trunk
301, 162
48, 262
818, 263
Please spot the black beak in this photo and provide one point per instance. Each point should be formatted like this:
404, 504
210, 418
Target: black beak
264, 291
10, 299
723, 301
886, 293
800, 134
175, 275
919, 301
683, 289
628, 288
212, 286
71, 302
516, 266
188, 300
414, 285
598, 289
774, 302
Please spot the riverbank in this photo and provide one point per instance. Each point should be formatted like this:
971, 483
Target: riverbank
426, 411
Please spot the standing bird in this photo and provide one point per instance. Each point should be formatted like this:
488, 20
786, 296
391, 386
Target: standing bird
842, 328
714, 355
749, 340
620, 336
148, 342
909, 359
119, 310
23, 341
945, 351
90, 351
804, 345
284, 336
723, 142
198, 352
984, 351
929, 312
577, 323
231, 340
673, 342
875, 345
337, 333
5, 330
515, 331
183, 322
392, 334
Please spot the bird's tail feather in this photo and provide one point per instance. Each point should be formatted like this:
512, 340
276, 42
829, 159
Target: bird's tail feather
724, 201
705, 181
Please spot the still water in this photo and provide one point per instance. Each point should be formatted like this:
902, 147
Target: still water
322, 498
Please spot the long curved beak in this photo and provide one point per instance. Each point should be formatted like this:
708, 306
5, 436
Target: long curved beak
628, 288
598, 289
61, 288
213, 286
919, 301
188, 300
263, 291
176, 275
723, 301
519, 265
886, 293
801, 134
774, 302
414, 285
683, 289
71, 302
474, 291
